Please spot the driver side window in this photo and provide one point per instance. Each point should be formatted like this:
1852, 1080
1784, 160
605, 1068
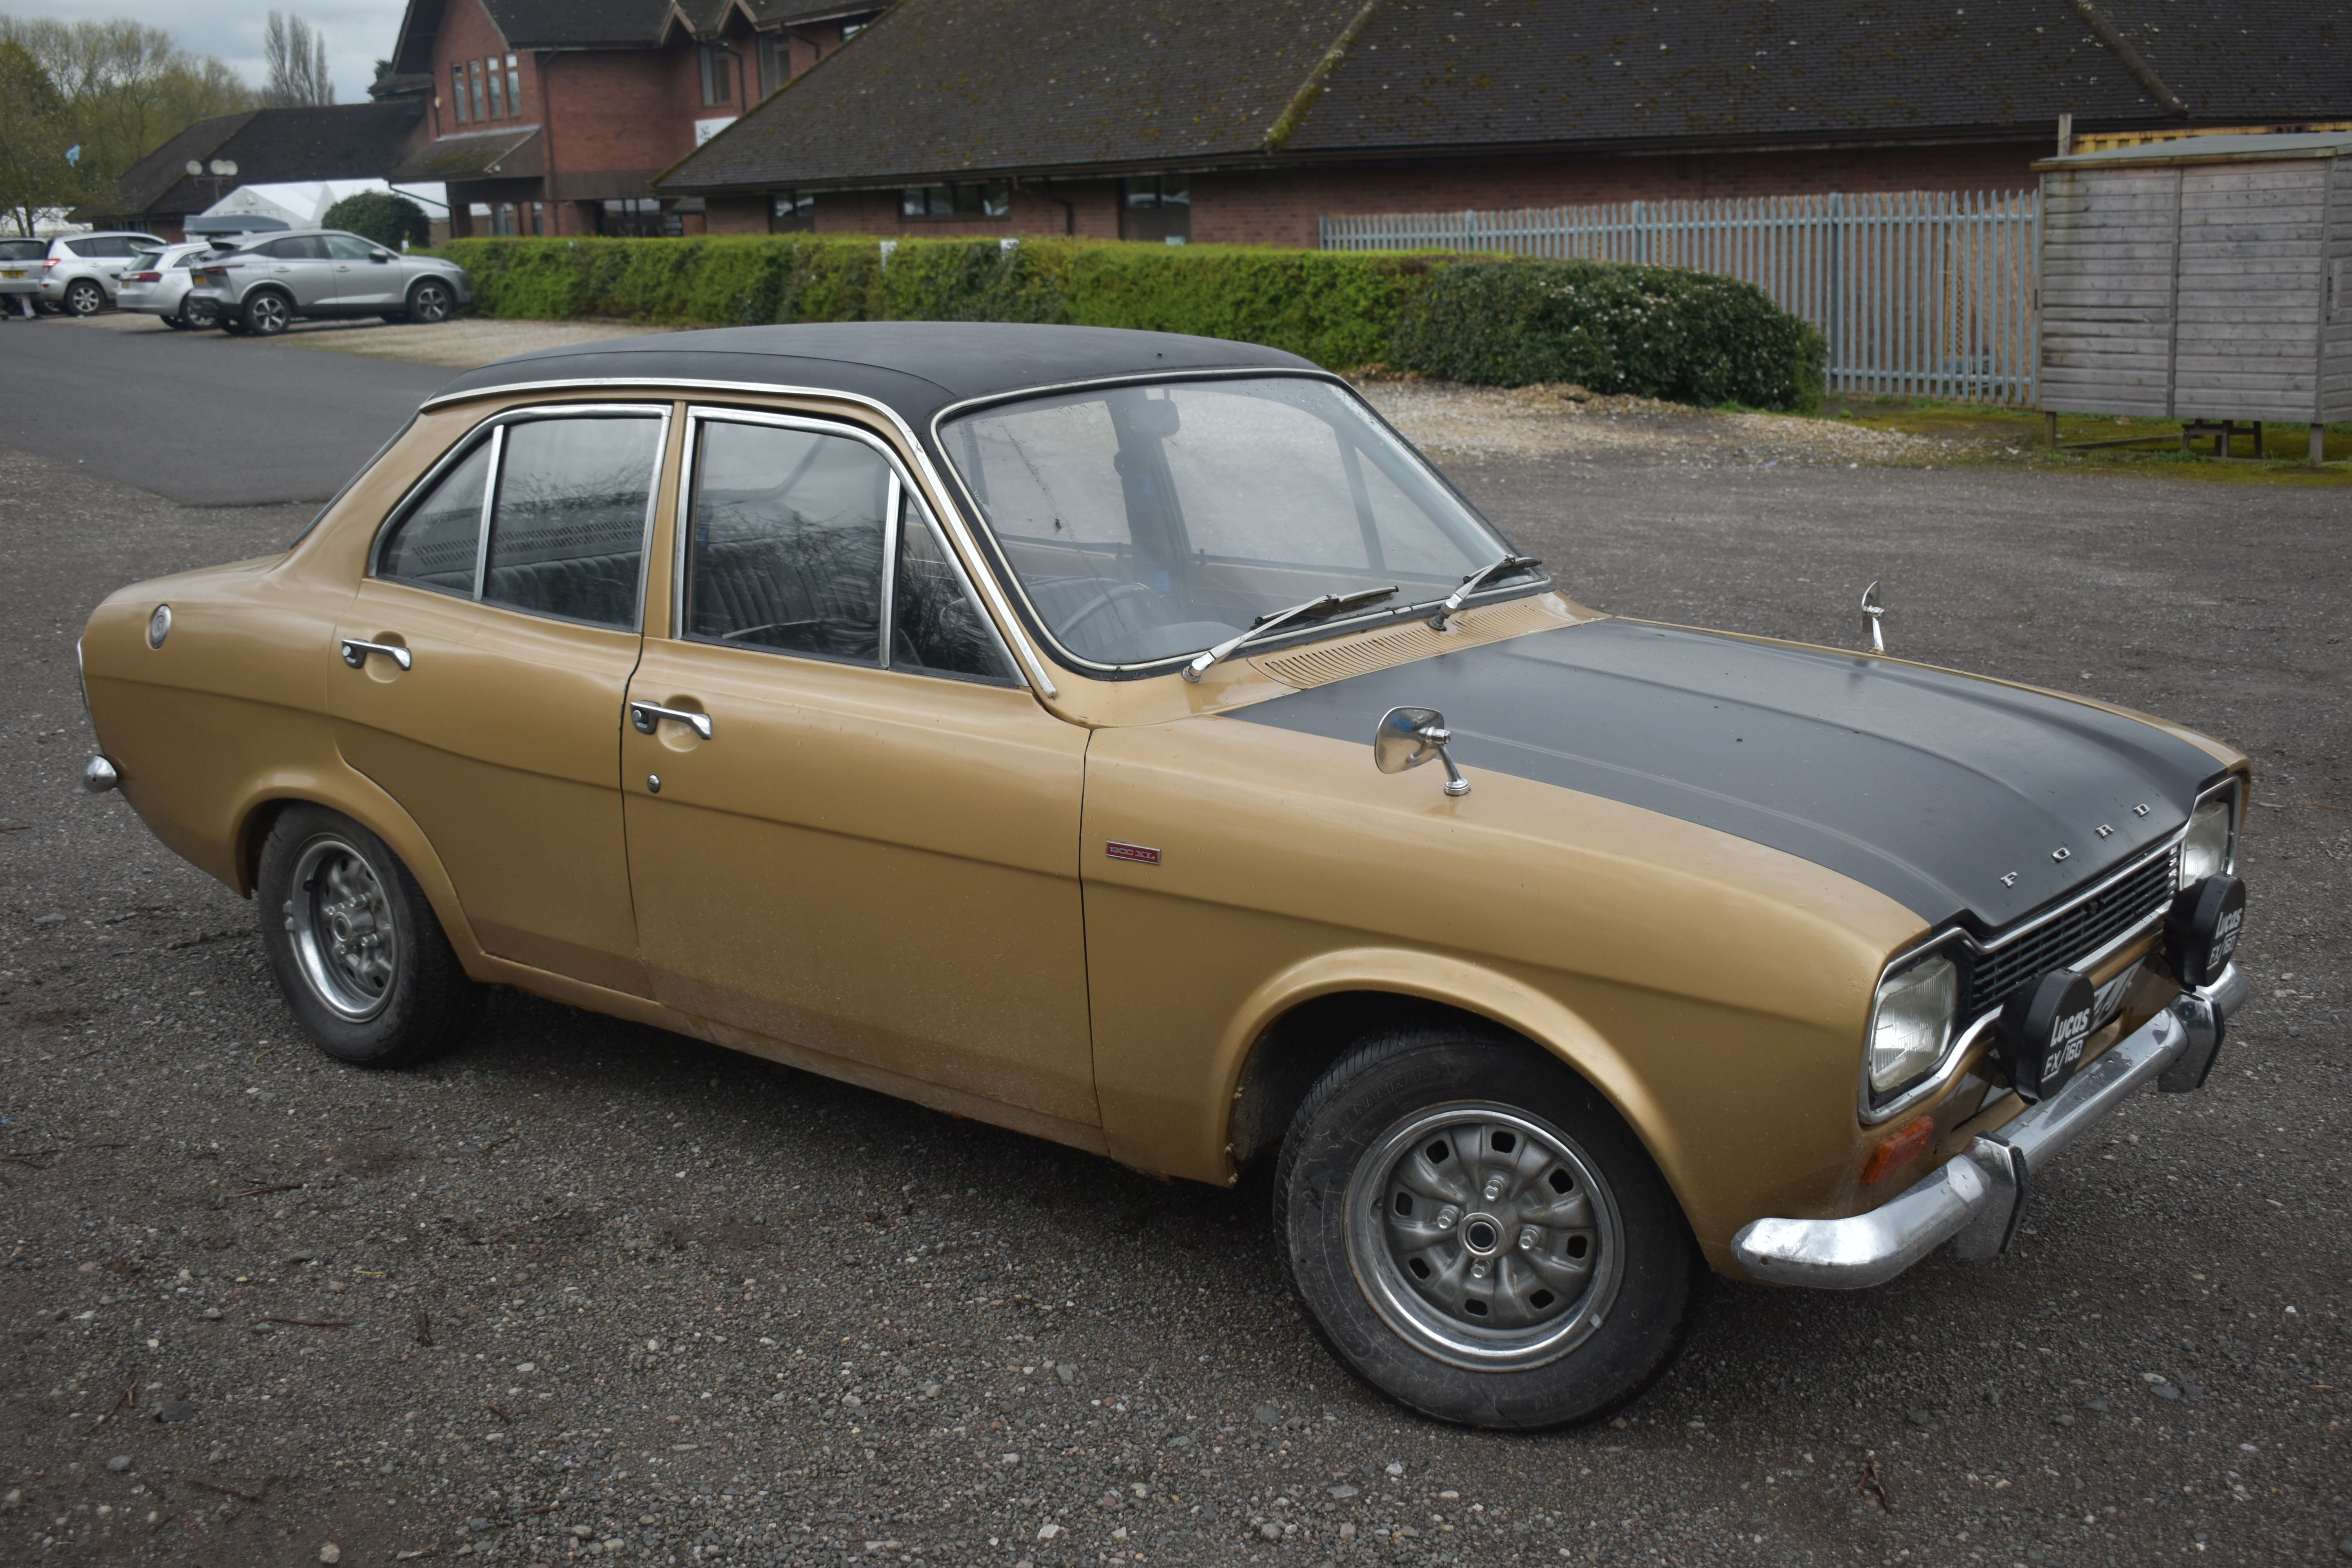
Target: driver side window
790, 548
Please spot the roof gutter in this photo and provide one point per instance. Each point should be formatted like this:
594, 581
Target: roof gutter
2134, 61
1294, 113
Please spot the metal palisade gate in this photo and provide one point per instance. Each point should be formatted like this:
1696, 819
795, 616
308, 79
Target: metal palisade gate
1920, 293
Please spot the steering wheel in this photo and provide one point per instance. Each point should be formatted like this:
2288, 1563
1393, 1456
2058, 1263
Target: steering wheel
1100, 602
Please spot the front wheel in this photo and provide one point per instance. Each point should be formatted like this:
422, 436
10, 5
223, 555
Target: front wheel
431, 302
354, 945
1476, 1233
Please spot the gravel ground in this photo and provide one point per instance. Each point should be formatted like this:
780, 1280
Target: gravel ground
587, 1289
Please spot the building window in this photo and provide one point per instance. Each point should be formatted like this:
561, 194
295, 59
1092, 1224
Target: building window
638, 217
514, 85
717, 65
774, 61
539, 217
790, 212
1156, 209
474, 70
955, 201
498, 93
458, 90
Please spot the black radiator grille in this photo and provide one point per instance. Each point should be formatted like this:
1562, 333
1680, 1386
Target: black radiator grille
2070, 936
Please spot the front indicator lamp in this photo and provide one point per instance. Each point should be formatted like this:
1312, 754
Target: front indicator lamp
2205, 849
1911, 1023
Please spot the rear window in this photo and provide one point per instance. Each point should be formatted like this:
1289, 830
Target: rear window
24, 249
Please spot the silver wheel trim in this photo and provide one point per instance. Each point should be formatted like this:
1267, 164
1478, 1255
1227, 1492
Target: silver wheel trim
1428, 1313
339, 919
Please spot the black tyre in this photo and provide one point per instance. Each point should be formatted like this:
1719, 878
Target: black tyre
1475, 1232
431, 302
395, 318
84, 297
354, 945
268, 313
199, 315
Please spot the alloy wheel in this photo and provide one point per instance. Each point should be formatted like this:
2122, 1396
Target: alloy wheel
429, 302
266, 315
1484, 1237
85, 298
340, 919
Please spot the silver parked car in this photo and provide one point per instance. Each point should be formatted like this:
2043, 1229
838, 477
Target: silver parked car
266, 285
158, 281
20, 273
82, 272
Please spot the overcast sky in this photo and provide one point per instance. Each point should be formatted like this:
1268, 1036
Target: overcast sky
358, 32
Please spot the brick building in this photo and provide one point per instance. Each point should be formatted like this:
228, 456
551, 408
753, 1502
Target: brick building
1220, 121
553, 116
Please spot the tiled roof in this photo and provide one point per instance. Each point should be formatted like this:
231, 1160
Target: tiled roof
342, 142
944, 87
472, 155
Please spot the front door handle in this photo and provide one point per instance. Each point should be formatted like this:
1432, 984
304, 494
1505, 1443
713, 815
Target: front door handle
646, 716
355, 653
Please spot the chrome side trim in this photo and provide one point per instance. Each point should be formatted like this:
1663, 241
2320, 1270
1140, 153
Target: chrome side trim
1978, 1195
959, 529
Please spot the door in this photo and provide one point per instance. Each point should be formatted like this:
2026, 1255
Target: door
850, 829
367, 279
482, 669
298, 265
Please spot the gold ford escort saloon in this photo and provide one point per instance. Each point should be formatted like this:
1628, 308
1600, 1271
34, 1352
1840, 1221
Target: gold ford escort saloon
1130, 740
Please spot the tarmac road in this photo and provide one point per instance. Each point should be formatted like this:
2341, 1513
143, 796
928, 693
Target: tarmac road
716, 1311
202, 418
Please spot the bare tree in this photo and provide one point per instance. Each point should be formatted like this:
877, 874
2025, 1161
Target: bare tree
297, 63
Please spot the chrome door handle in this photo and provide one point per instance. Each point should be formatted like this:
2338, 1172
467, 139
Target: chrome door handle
646, 716
355, 653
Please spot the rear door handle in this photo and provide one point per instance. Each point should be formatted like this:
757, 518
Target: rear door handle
355, 653
648, 716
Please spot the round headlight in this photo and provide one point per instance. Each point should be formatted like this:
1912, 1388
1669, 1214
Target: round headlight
1911, 1023
2205, 850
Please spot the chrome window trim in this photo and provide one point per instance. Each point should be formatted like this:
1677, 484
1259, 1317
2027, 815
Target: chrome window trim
961, 540
903, 493
1320, 629
1956, 1054
493, 431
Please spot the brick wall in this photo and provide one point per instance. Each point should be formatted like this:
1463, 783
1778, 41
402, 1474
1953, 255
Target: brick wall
1280, 207
466, 33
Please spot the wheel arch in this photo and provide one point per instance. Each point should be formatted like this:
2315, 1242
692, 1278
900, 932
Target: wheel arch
360, 800
1306, 1018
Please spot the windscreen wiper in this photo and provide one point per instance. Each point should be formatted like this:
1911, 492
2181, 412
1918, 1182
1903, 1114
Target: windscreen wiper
1475, 581
1327, 605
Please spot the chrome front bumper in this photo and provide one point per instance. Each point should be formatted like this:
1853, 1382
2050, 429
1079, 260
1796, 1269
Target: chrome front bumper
1978, 1197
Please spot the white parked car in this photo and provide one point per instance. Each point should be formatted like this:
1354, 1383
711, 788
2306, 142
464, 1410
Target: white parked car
20, 273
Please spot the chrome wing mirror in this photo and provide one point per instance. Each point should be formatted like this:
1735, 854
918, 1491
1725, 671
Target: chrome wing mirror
1872, 608
1409, 737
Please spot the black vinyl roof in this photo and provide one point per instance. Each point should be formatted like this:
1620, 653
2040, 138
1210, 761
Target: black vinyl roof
915, 368
943, 88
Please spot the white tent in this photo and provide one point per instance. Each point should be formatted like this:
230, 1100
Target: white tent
303, 204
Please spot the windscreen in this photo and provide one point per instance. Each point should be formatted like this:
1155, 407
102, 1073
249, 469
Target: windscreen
1149, 522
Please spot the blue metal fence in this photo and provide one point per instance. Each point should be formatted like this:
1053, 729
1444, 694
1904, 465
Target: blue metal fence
1920, 293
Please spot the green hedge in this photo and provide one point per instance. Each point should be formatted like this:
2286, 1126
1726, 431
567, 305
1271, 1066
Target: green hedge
1658, 330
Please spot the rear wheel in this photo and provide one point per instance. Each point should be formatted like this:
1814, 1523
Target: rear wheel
1477, 1234
354, 945
268, 313
84, 298
199, 315
431, 302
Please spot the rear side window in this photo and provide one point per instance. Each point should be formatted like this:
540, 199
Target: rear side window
568, 531
568, 499
304, 247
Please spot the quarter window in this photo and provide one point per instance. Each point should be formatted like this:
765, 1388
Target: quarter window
434, 546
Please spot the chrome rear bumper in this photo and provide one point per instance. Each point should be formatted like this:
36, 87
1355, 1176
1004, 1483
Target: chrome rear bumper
1977, 1198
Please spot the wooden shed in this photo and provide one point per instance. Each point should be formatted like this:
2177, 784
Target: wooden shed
2205, 278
